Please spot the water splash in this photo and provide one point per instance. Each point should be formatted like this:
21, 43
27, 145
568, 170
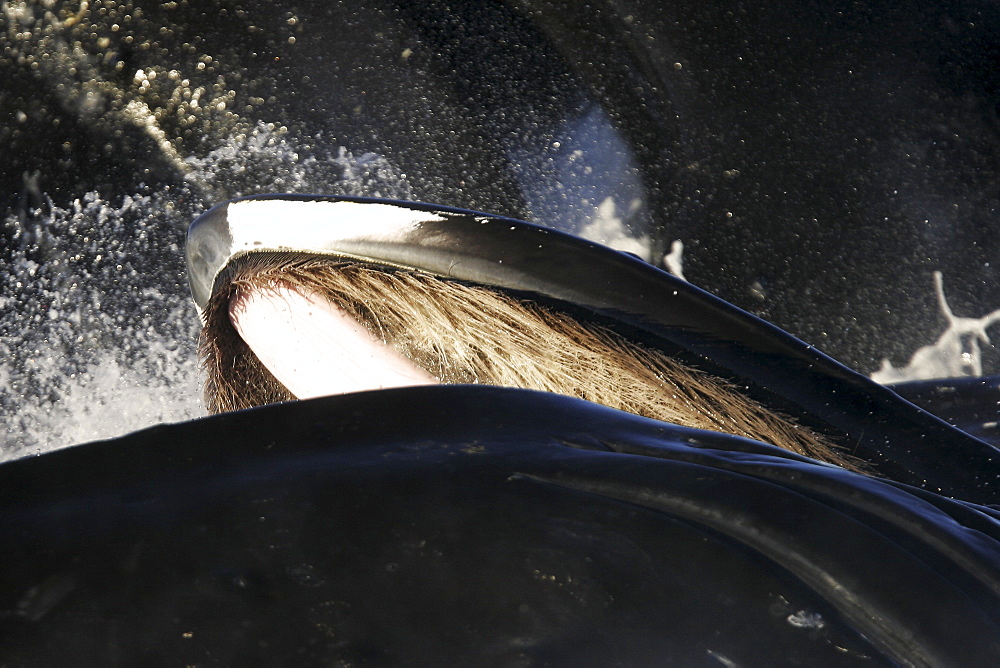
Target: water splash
956, 352
674, 260
608, 226
98, 334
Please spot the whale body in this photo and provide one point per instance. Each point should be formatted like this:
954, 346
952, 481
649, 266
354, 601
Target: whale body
460, 524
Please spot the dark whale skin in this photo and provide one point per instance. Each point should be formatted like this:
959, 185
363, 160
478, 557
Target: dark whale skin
477, 525
968, 402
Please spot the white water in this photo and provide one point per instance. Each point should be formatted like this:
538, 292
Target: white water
98, 333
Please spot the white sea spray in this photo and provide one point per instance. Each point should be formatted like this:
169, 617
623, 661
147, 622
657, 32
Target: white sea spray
98, 333
607, 226
956, 352
674, 260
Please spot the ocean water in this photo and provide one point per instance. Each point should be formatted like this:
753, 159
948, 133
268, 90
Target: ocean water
98, 333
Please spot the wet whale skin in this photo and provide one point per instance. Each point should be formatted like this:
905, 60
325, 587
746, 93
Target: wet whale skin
475, 524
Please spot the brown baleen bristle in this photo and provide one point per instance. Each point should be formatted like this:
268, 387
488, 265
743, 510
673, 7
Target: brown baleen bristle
464, 333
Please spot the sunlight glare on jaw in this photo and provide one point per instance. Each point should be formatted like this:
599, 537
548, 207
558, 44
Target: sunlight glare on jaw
313, 347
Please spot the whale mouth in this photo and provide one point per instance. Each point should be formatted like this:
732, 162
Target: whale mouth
665, 330
306, 296
604, 326
285, 326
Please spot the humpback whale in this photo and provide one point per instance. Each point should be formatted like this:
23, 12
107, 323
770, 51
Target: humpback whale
462, 523
491, 525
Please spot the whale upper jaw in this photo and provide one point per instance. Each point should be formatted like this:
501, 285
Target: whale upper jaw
447, 242
368, 231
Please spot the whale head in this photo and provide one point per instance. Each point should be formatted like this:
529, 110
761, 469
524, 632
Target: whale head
305, 296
